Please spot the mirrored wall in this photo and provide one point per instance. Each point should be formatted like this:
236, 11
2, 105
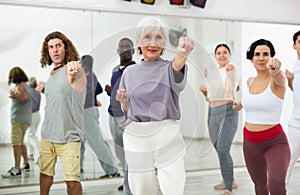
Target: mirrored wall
97, 33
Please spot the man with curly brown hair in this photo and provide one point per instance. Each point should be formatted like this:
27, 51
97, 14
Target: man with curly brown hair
62, 129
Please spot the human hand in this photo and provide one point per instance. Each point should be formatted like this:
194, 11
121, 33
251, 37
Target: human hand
122, 96
274, 64
229, 67
289, 74
237, 106
107, 89
41, 87
185, 45
13, 92
72, 68
203, 89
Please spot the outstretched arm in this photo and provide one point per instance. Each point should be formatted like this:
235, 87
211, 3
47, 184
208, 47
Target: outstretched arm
277, 80
76, 76
185, 46
274, 68
18, 93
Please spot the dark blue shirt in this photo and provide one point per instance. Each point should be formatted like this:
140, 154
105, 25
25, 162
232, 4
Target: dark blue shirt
114, 108
93, 89
36, 100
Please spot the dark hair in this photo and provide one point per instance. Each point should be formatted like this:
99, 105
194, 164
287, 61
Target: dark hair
222, 45
126, 39
17, 75
32, 82
296, 36
250, 51
71, 53
87, 61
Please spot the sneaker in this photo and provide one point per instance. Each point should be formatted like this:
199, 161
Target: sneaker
12, 173
221, 186
227, 192
120, 188
26, 167
110, 175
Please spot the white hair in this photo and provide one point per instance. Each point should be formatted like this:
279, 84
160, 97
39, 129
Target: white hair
150, 24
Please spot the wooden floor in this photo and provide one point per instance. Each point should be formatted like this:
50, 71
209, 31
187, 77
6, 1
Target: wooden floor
201, 166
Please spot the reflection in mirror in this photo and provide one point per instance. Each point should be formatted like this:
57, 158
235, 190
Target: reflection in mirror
97, 34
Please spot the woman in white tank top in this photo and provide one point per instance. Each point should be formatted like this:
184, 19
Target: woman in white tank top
266, 149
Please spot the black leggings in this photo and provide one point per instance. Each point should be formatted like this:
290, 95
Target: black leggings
267, 163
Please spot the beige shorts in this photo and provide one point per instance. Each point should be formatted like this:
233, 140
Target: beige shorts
69, 155
18, 131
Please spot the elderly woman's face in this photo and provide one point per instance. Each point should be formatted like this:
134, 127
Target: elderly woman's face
152, 43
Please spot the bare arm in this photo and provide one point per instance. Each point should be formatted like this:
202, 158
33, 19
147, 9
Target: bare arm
76, 76
203, 90
186, 45
274, 68
290, 76
278, 80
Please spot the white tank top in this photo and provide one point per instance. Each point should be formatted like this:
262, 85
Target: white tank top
263, 108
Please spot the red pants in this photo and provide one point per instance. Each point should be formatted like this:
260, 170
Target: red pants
267, 161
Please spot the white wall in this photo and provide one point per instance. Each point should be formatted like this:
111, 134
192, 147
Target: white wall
98, 33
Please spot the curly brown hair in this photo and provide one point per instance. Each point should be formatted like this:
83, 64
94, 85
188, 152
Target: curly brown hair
71, 53
17, 75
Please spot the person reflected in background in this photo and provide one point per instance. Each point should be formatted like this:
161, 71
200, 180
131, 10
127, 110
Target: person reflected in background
149, 92
265, 146
222, 118
20, 118
62, 129
293, 132
31, 138
117, 117
92, 129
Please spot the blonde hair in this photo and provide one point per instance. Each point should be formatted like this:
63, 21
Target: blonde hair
150, 24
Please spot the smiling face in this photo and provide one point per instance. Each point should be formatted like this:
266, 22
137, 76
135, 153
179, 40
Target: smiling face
261, 56
222, 55
152, 43
56, 49
125, 51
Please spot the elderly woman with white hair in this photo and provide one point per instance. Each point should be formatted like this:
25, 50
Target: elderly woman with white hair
149, 93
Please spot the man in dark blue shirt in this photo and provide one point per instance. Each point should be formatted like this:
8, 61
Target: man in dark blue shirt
117, 117
92, 130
